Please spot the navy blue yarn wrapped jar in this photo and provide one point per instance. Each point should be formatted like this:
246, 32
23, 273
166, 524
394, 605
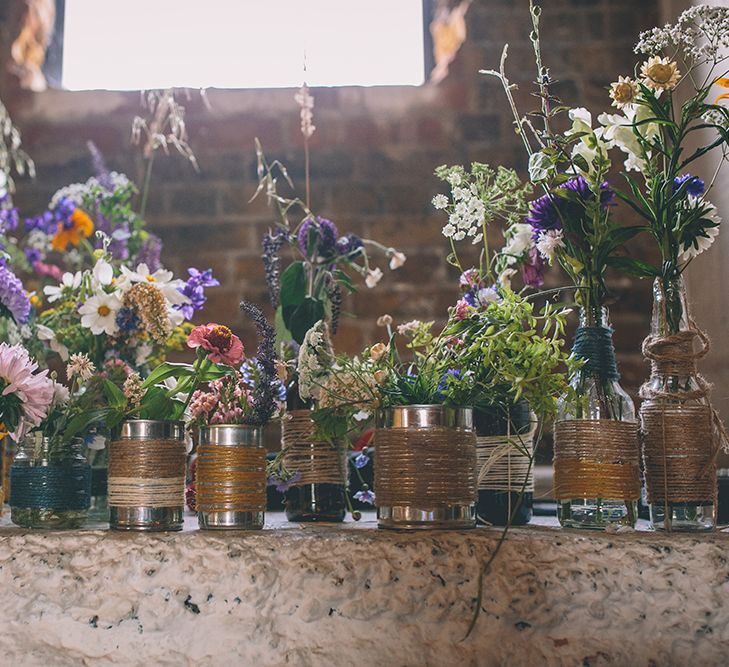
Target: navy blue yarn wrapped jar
50, 484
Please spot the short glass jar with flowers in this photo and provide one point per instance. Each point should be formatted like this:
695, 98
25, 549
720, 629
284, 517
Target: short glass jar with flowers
324, 264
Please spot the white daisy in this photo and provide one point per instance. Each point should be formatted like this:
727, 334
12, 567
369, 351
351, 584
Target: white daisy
161, 279
99, 313
103, 273
69, 282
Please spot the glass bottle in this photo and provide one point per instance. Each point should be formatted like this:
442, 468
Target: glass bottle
496, 507
312, 501
596, 395
50, 483
670, 317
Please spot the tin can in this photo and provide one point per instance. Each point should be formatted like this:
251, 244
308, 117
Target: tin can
425, 472
230, 478
147, 476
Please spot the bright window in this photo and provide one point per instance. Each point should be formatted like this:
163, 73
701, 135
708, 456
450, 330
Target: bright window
137, 44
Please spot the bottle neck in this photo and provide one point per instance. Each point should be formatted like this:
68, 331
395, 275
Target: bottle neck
594, 345
670, 309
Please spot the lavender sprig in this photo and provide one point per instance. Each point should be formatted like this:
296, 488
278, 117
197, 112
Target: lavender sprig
334, 292
100, 169
265, 392
272, 243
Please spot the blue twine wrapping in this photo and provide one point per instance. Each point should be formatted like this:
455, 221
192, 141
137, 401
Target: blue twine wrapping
594, 345
63, 487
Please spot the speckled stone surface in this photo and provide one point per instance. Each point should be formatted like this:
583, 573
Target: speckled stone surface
352, 595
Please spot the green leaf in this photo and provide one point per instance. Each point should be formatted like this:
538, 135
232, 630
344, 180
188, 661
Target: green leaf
304, 317
156, 404
115, 396
632, 267
581, 163
293, 285
167, 370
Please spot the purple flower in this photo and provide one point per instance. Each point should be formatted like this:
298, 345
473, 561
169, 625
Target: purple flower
533, 269
150, 253
544, 214
445, 381
365, 496
348, 243
194, 290
271, 244
100, 168
44, 223
13, 299
33, 255
283, 485
694, 185
361, 460
63, 211
323, 234
127, 320
8, 219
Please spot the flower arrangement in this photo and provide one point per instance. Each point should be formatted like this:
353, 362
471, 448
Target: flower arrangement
252, 394
310, 287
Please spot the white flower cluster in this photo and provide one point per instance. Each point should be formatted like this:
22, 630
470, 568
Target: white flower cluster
76, 192
519, 243
700, 33
468, 212
696, 245
315, 359
306, 102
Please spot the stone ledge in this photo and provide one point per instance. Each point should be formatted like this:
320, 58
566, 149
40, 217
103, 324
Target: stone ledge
348, 594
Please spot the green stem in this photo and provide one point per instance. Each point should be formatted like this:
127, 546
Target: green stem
145, 189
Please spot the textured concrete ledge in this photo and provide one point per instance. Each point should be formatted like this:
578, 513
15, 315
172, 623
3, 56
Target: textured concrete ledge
347, 595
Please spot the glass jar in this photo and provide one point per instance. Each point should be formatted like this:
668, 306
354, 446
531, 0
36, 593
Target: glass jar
678, 435
596, 462
504, 495
50, 483
99, 461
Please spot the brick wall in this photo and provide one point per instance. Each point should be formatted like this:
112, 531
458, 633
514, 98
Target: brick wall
373, 157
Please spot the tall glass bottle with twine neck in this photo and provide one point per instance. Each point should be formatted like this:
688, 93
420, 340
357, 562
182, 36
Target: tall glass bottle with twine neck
677, 423
596, 464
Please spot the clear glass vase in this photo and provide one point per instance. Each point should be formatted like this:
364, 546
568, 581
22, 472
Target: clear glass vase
676, 400
50, 483
595, 415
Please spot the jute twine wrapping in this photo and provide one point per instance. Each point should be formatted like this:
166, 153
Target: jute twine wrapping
427, 468
316, 461
503, 462
681, 434
596, 458
146, 473
230, 479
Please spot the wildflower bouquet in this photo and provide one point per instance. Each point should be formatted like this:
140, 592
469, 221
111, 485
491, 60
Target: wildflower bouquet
252, 394
310, 287
662, 109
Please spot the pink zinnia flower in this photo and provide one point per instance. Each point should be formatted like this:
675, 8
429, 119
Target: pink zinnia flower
19, 382
221, 344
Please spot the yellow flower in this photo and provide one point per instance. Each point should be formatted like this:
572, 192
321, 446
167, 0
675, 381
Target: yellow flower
623, 91
71, 231
660, 73
724, 83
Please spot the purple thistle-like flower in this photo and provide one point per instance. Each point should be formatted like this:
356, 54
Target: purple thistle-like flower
13, 298
150, 253
365, 496
694, 185
325, 237
544, 214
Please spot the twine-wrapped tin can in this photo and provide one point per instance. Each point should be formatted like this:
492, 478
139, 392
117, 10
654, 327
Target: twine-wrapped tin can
425, 476
230, 478
147, 476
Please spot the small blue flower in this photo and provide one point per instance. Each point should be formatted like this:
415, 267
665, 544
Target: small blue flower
694, 185
361, 460
365, 496
127, 320
444, 381
283, 485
